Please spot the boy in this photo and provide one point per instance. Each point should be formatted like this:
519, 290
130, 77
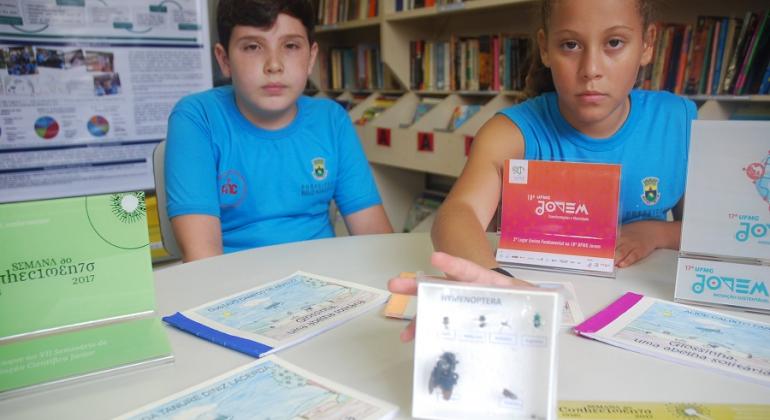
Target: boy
256, 163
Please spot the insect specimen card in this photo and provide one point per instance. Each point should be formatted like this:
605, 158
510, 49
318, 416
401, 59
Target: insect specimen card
268, 388
725, 250
405, 306
485, 352
726, 344
275, 315
560, 216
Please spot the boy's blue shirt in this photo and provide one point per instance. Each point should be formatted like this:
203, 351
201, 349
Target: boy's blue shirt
652, 147
266, 186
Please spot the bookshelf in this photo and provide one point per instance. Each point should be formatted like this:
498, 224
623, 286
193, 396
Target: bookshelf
416, 150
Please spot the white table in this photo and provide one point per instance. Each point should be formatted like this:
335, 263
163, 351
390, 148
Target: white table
366, 353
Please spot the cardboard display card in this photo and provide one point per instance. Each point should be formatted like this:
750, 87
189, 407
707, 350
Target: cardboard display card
723, 283
73, 261
485, 352
727, 203
76, 291
560, 215
55, 358
725, 248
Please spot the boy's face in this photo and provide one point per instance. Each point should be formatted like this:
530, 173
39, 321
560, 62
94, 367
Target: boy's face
269, 68
594, 50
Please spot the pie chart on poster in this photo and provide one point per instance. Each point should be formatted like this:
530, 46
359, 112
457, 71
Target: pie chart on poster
119, 219
98, 126
46, 127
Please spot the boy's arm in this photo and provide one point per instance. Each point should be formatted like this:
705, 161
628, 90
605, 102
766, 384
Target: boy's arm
191, 183
368, 221
198, 235
460, 226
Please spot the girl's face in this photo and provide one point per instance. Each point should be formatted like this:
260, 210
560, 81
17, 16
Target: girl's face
594, 49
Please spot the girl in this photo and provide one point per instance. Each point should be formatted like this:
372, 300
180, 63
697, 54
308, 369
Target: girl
587, 110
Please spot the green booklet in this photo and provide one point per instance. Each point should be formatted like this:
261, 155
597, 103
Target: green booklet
76, 290
73, 261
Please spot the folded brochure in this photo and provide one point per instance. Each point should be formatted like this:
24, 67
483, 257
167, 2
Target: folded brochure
276, 315
683, 334
268, 388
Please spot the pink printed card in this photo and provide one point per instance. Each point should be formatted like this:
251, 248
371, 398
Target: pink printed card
560, 215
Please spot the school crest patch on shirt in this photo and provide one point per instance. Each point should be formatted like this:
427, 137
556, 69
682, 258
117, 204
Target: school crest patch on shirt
319, 169
650, 195
232, 188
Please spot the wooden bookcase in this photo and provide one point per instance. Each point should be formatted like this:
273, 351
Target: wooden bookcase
401, 165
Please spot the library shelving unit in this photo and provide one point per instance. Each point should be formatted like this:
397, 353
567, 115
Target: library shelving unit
403, 151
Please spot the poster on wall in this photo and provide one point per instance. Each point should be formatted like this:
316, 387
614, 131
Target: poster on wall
86, 87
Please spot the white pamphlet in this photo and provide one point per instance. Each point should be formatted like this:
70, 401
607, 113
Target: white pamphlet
273, 316
269, 388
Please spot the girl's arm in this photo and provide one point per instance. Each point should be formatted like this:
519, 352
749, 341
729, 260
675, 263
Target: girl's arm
462, 220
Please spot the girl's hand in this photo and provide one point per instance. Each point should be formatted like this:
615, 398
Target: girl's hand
639, 239
456, 269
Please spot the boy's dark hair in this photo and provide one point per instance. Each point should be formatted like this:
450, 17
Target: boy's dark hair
539, 79
261, 14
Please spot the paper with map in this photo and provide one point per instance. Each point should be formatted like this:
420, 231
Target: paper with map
269, 388
278, 314
683, 334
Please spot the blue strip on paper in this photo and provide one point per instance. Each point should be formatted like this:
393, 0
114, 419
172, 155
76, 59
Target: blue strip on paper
252, 348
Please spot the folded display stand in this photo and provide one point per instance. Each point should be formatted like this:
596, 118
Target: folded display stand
725, 251
77, 293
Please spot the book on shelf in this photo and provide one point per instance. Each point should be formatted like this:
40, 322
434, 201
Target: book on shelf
719, 55
710, 28
77, 295
764, 88
461, 114
332, 12
268, 388
273, 316
422, 207
403, 5
352, 68
747, 27
487, 62
758, 58
684, 58
683, 334
349, 102
380, 105
733, 26
426, 104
